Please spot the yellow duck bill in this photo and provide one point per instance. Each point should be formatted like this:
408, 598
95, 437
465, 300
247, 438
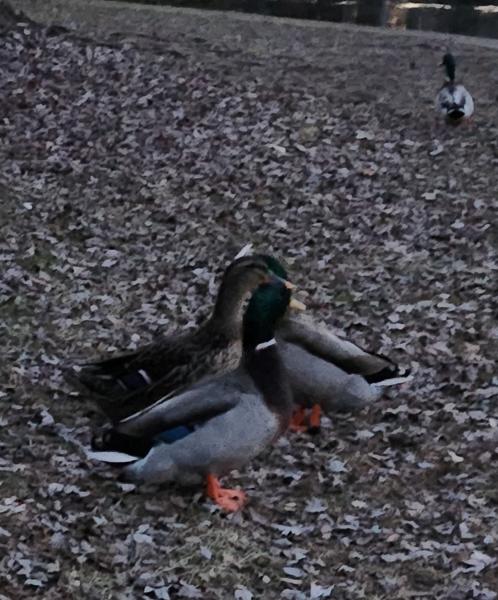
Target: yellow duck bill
296, 304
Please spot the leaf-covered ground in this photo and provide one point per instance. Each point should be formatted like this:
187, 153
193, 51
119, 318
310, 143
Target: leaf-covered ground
133, 168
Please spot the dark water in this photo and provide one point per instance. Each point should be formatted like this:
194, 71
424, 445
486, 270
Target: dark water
469, 17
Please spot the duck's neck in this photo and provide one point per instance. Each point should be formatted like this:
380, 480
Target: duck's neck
228, 309
450, 72
266, 368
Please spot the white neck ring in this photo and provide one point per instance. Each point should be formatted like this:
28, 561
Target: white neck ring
267, 344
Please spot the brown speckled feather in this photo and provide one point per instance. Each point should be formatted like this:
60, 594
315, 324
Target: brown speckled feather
173, 363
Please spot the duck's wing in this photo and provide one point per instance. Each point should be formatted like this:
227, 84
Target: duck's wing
224, 442
127, 383
167, 421
345, 355
210, 398
105, 377
124, 373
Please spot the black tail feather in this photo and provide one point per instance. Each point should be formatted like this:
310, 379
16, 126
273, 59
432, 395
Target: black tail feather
389, 372
455, 114
112, 440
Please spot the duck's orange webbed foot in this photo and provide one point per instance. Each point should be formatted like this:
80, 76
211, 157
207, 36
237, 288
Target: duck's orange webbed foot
297, 421
229, 500
314, 420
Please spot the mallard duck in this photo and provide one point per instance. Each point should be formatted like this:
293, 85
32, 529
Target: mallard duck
123, 384
218, 425
326, 372
331, 374
453, 101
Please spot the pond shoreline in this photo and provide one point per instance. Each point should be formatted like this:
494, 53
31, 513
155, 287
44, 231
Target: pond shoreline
147, 19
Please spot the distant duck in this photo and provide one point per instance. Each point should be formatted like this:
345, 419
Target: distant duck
453, 101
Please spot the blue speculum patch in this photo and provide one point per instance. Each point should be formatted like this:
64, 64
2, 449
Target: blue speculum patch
174, 434
134, 381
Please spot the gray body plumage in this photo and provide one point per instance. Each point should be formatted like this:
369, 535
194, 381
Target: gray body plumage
225, 442
453, 101
317, 381
220, 423
212, 395
326, 369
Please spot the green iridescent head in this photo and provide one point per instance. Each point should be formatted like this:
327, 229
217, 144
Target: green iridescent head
266, 307
449, 64
273, 265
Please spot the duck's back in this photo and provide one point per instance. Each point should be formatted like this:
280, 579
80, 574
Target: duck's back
126, 384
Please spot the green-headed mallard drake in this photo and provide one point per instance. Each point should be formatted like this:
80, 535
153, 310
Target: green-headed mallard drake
326, 372
123, 384
218, 425
329, 373
453, 101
